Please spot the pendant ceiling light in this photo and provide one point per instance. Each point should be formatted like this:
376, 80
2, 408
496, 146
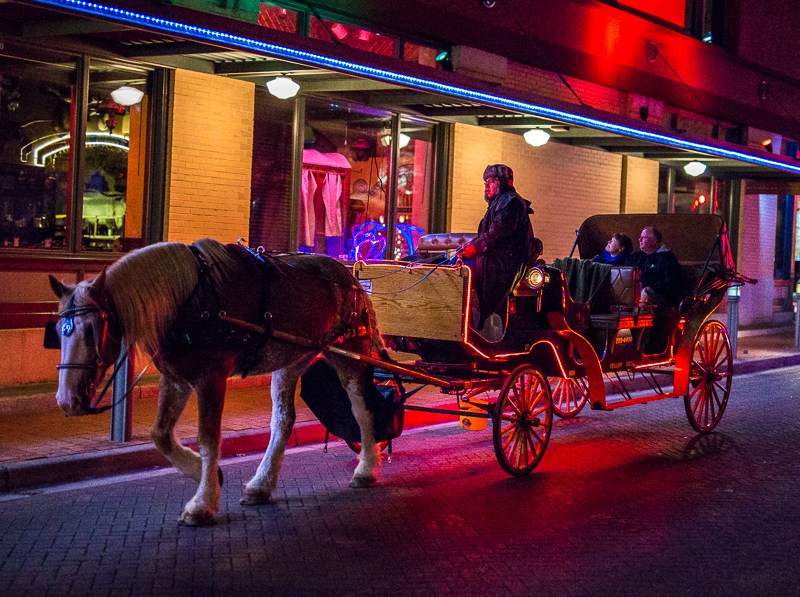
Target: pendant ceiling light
536, 137
283, 87
694, 168
404, 140
127, 96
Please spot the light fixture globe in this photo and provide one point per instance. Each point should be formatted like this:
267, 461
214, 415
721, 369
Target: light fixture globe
694, 168
127, 96
536, 137
404, 140
283, 87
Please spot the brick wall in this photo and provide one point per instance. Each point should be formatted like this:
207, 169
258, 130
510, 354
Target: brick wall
641, 186
757, 258
212, 149
565, 184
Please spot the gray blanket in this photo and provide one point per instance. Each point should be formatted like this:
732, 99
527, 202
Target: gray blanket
583, 276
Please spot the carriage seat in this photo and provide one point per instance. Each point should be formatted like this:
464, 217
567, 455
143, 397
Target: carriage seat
442, 242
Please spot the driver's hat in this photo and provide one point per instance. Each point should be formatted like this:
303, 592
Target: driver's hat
501, 172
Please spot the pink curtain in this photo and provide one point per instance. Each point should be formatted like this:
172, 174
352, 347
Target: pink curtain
307, 220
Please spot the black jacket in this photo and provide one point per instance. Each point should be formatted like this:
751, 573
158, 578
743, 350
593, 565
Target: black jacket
661, 272
505, 237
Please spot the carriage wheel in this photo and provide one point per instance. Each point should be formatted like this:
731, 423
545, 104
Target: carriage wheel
570, 395
522, 420
710, 377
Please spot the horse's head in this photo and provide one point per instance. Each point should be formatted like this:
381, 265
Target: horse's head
89, 344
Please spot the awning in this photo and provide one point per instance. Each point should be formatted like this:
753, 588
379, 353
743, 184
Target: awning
254, 51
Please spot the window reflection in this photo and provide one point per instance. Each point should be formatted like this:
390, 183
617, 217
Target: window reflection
345, 190
115, 135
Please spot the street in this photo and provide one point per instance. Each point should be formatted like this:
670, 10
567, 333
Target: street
630, 502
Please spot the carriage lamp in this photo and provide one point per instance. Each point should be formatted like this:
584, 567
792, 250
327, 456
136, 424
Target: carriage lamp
283, 87
535, 278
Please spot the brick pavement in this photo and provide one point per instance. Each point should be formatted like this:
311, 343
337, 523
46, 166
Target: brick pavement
629, 502
39, 445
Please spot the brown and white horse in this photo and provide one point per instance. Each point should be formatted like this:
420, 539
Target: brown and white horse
177, 302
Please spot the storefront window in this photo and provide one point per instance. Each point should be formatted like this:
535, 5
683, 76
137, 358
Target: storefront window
34, 121
36, 156
344, 203
423, 55
343, 177
280, 19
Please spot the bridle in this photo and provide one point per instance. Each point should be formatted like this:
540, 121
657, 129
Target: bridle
67, 327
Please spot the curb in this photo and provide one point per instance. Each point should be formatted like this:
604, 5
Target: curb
40, 472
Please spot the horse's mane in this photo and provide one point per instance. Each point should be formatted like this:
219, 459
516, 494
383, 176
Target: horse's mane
149, 286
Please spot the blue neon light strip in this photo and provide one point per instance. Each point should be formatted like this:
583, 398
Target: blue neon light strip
135, 18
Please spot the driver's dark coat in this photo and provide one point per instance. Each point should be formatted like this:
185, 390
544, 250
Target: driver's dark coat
504, 237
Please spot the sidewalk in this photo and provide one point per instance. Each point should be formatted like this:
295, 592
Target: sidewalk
39, 445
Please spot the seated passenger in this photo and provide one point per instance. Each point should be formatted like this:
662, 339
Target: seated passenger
661, 272
661, 286
617, 250
504, 242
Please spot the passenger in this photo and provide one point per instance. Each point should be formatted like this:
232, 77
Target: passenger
661, 272
617, 251
504, 243
661, 286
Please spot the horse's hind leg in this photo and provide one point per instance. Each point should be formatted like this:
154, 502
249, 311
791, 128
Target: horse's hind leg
200, 510
355, 380
260, 488
172, 397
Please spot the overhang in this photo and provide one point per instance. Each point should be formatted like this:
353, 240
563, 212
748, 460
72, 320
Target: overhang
174, 37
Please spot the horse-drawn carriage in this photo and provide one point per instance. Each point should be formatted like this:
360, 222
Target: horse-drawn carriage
570, 332
207, 311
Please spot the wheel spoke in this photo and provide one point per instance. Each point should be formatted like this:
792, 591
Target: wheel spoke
721, 388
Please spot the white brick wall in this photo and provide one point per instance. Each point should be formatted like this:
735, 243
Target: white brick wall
565, 184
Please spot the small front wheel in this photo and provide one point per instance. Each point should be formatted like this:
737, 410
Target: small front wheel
570, 395
522, 420
710, 377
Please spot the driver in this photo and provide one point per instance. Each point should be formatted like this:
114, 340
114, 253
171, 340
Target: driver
504, 241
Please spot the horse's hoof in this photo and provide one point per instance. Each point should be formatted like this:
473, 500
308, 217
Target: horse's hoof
359, 482
199, 519
255, 497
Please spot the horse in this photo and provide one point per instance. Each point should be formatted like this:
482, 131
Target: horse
207, 311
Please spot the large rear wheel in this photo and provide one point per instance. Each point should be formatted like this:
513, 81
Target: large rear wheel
570, 395
710, 377
522, 420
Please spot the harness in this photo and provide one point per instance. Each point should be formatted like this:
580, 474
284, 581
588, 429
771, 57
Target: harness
68, 326
212, 326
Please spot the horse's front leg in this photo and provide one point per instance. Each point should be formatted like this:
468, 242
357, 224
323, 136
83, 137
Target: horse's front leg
260, 488
172, 397
200, 510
